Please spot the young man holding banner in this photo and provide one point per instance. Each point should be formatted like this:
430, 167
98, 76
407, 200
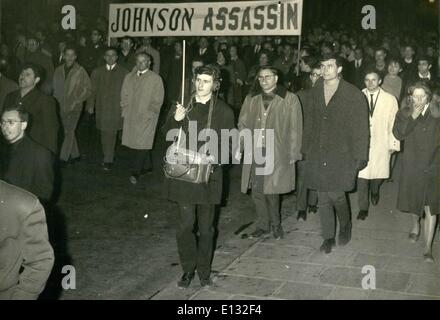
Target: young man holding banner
198, 201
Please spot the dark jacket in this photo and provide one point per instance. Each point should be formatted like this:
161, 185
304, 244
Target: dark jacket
30, 167
46, 63
189, 193
93, 57
127, 62
336, 137
26, 256
106, 97
356, 75
420, 161
6, 87
44, 124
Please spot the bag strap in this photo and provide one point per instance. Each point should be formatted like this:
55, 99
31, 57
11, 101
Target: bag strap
211, 109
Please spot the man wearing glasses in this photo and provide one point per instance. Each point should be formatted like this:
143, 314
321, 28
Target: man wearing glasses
29, 165
271, 112
335, 147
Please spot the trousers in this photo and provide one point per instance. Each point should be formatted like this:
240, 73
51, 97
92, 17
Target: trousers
329, 202
196, 252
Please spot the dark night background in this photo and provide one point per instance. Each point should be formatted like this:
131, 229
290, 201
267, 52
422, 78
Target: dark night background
396, 13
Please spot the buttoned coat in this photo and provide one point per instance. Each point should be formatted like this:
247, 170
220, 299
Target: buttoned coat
382, 140
336, 137
106, 97
26, 256
420, 161
285, 119
141, 101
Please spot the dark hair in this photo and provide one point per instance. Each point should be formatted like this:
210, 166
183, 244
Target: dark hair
371, 70
424, 58
38, 71
111, 49
381, 49
274, 70
394, 60
22, 114
339, 60
32, 36
267, 53
98, 31
226, 55
309, 60
210, 70
72, 48
4, 64
198, 59
127, 38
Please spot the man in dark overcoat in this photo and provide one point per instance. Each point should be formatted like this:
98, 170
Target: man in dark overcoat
29, 165
105, 101
335, 147
43, 123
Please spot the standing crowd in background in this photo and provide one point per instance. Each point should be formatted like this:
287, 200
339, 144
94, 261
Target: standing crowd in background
350, 110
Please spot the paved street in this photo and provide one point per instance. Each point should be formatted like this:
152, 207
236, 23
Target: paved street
293, 268
121, 240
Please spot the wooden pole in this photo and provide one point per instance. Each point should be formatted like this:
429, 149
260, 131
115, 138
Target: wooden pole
183, 70
299, 56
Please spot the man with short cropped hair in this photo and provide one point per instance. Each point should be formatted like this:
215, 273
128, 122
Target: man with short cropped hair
335, 147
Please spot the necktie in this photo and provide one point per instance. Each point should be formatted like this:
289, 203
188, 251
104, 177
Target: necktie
371, 104
139, 73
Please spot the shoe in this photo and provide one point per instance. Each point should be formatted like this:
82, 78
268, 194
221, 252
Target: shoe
374, 198
327, 245
428, 257
134, 178
313, 209
258, 233
146, 171
75, 160
107, 166
413, 237
344, 235
278, 232
63, 163
301, 215
363, 214
206, 282
186, 279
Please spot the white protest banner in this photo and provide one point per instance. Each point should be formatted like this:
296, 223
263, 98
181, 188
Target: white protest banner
239, 18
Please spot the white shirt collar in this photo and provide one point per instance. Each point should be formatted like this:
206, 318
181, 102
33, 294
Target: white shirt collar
111, 67
139, 73
203, 100
428, 77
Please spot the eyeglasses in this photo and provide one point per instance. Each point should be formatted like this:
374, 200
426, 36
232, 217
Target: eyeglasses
314, 74
9, 122
267, 77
